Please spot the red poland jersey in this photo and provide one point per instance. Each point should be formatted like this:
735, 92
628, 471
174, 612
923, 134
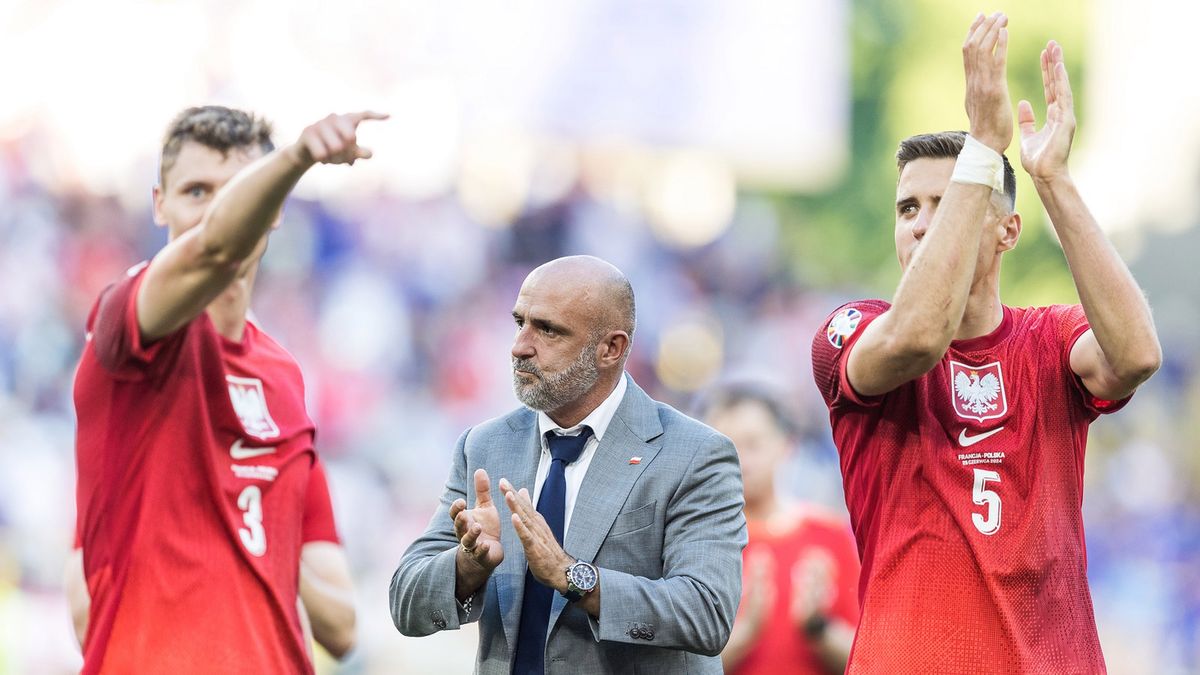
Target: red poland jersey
965, 489
798, 541
194, 457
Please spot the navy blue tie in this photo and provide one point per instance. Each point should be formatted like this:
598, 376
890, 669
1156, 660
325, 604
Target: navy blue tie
535, 606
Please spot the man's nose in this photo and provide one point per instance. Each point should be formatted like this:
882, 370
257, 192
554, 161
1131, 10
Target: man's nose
921, 226
523, 344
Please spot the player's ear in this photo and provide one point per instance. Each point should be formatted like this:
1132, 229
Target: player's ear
1010, 230
159, 218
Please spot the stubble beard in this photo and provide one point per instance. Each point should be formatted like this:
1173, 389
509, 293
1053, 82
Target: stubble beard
551, 391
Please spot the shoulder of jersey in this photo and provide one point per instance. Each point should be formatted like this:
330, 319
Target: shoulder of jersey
845, 320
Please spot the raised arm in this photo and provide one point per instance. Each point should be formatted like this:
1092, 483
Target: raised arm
910, 338
195, 267
1121, 350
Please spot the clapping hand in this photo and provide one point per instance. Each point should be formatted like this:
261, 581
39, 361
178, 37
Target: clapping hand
1044, 151
813, 589
478, 528
985, 54
546, 557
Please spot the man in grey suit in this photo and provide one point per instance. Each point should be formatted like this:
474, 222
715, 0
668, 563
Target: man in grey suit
631, 559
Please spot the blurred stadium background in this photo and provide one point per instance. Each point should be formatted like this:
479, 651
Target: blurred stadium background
734, 157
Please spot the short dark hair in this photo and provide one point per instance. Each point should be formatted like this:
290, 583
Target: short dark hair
947, 144
733, 392
216, 127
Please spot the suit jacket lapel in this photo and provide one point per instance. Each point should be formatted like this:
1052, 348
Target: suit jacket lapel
633, 432
516, 459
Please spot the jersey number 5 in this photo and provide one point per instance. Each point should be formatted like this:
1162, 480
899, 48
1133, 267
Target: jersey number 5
989, 524
254, 538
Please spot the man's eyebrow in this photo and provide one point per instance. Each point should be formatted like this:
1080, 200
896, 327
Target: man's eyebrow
539, 322
189, 183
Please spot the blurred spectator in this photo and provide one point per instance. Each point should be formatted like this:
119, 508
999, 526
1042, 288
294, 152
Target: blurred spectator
800, 569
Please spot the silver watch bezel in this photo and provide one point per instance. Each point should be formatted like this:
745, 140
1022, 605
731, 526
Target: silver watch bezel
572, 587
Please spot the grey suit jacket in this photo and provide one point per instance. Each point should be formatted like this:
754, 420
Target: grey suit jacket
667, 534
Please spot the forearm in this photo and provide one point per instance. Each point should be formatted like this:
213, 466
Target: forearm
75, 587
422, 593
246, 208
932, 296
741, 639
1114, 304
331, 613
682, 612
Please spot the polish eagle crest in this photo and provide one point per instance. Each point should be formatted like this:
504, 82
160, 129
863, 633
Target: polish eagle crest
978, 391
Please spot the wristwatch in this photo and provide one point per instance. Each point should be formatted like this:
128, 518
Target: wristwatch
582, 579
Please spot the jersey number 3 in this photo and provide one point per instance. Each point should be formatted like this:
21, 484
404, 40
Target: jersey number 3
254, 538
990, 523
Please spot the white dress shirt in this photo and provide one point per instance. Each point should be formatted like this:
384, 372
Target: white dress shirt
598, 420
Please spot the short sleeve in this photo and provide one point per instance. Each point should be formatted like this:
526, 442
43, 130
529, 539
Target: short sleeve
831, 345
318, 523
1072, 324
114, 332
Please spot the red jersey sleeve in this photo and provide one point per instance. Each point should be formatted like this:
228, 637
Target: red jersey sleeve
318, 522
831, 345
115, 335
1072, 324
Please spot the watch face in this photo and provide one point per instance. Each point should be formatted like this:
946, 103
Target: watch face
583, 576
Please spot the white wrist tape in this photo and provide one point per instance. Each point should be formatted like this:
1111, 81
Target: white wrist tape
977, 163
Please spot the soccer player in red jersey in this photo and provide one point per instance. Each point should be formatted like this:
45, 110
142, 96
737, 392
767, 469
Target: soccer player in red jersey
800, 569
324, 576
194, 450
961, 422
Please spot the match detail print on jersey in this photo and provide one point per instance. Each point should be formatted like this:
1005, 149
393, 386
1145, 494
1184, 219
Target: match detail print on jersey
978, 391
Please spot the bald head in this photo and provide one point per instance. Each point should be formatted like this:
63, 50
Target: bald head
574, 320
596, 286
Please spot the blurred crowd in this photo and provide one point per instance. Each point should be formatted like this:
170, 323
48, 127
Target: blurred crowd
398, 312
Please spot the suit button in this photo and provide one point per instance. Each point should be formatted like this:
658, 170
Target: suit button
648, 633
439, 620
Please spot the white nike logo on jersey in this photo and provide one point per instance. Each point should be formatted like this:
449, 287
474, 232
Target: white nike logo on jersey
966, 441
237, 451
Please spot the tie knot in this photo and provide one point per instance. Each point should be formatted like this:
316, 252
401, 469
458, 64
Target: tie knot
568, 448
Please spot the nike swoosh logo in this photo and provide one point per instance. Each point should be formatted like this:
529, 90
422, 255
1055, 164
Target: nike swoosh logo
237, 451
967, 441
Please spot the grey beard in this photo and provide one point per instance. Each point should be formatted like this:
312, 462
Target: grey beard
553, 391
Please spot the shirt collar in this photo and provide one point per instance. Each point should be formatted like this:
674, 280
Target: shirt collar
598, 419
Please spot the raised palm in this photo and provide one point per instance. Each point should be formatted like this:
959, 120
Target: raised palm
1044, 151
478, 528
